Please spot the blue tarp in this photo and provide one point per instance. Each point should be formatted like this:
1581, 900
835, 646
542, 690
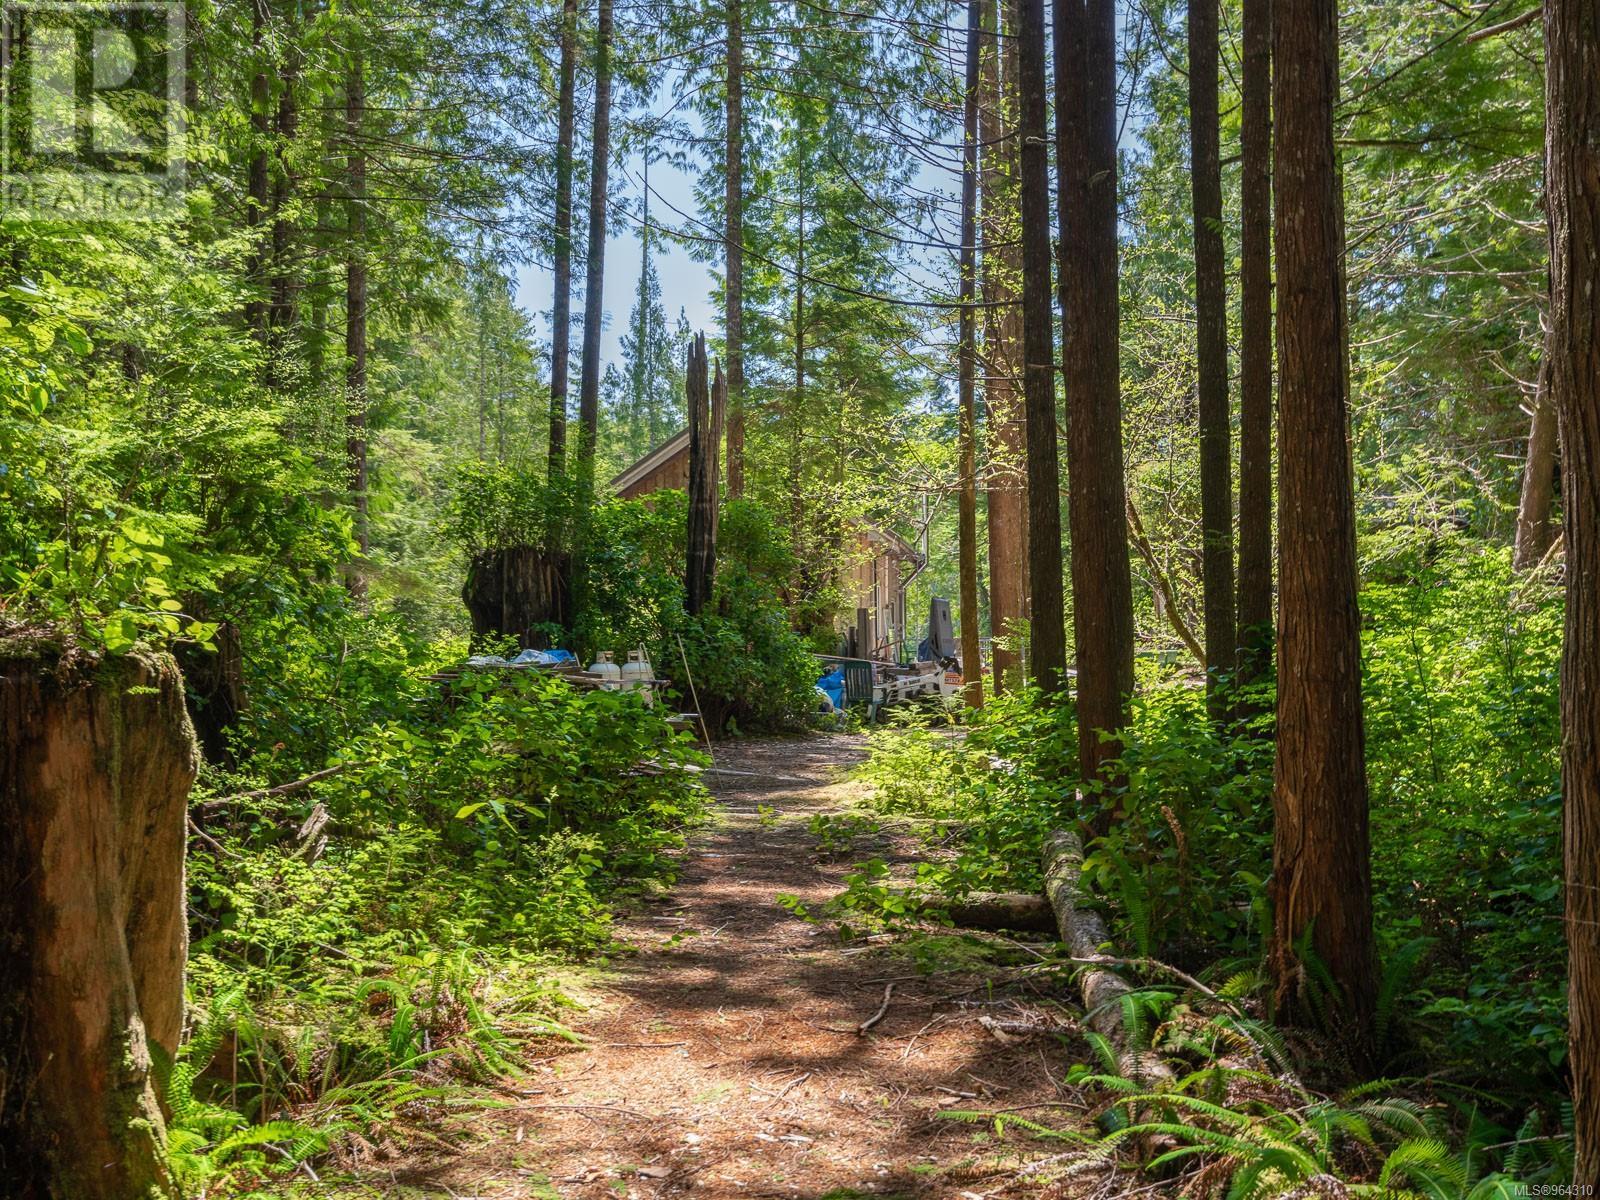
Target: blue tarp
833, 684
528, 658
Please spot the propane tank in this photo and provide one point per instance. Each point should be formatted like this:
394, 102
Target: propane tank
637, 673
610, 674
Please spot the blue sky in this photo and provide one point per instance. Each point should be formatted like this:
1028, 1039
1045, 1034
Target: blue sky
685, 283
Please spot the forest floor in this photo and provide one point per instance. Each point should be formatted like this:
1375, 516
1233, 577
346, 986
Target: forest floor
723, 1055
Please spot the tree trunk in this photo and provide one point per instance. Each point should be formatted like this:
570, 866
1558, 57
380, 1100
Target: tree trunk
281, 313
1572, 174
1255, 347
1538, 478
1102, 582
594, 275
1048, 626
1211, 332
1322, 875
561, 303
971, 659
797, 404
98, 760
256, 186
355, 298
1002, 337
704, 425
733, 252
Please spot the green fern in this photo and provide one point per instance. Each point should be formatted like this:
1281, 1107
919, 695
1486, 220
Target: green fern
1426, 1163
1396, 975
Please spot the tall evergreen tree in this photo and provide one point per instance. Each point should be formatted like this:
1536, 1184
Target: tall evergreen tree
1211, 329
1322, 871
967, 536
1004, 427
561, 303
1572, 165
594, 279
654, 409
1254, 614
1102, 587
733, 244
1048, 625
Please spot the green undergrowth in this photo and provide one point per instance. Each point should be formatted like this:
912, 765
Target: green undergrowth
344, 996
1230, 1116
1460, 664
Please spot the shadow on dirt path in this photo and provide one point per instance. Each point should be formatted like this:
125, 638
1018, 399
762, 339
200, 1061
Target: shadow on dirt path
724, 1058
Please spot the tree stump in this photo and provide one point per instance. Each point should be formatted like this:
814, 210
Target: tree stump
518, 592
98, 759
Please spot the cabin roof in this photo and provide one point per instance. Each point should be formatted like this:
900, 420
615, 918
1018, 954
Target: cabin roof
675, 445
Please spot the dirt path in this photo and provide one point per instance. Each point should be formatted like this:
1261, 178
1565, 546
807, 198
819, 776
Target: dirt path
724, 1058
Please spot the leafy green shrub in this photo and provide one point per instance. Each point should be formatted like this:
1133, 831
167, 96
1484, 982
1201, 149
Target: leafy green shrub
493, 505
1186, 853
471, 836
748, 666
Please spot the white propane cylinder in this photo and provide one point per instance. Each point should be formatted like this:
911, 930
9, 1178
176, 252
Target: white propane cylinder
610, 674
637, 673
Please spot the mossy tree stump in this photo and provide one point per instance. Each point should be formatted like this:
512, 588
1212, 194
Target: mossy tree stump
98, 757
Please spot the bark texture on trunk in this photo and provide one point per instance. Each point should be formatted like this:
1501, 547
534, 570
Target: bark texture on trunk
355, 298
594, 275
256, 183
705, 422
1322, 875
1211, 329
561, 303
98, 758
519, 592
1572, 174
1538, 477
967, 519
1006, 440
1048, 627
1102, 580
733, 251
1255, 346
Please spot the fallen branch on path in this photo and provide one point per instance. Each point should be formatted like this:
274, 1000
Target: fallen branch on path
888, 994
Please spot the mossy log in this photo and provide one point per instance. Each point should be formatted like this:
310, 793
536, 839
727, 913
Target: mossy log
1084, 934
98, 759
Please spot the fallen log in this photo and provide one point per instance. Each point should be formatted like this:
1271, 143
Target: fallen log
994, 911
1084, 933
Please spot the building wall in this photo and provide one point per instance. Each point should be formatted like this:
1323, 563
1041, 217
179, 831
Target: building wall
674, 473
873, 583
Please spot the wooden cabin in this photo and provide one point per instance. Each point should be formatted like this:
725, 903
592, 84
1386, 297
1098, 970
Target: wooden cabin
881, 561
667, 466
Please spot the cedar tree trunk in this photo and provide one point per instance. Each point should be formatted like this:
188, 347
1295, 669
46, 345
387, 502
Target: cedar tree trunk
1572, 174
1102, 581
1322, 873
